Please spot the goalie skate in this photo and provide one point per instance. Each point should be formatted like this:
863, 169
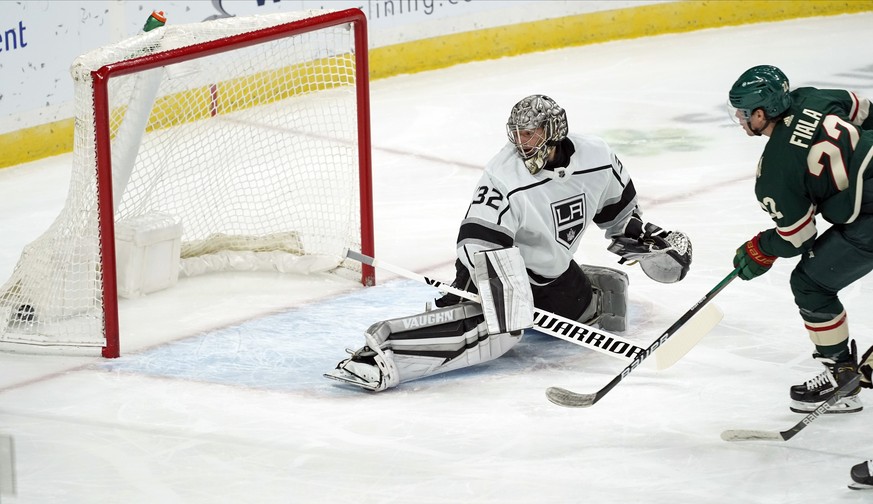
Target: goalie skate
373, 370
342, 375
360, 369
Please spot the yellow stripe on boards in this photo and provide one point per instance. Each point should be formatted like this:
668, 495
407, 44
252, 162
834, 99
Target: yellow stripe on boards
444, 51
597, 27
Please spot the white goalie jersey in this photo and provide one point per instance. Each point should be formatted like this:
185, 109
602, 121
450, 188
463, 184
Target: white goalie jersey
545, 214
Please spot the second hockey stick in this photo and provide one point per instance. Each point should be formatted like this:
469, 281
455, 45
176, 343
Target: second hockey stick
570, 399
763, 435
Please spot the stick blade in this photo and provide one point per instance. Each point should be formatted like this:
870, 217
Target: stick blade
568, 398
688, 336
751, 435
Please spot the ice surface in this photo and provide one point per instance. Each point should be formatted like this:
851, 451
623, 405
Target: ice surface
219, 396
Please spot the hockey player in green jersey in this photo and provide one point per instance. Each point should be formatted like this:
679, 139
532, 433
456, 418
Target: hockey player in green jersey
816, 164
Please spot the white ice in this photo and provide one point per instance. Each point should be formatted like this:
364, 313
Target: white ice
219, 396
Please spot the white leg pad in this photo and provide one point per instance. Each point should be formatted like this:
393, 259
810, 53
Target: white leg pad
610, 287
408, 348
411, 366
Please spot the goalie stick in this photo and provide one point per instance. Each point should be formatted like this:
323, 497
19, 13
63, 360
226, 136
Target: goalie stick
559, 327
763, 435
570, 399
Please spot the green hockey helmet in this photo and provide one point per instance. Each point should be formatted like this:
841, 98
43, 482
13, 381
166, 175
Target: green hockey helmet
762, 86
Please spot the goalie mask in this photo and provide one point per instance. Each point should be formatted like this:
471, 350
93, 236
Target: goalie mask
536, 124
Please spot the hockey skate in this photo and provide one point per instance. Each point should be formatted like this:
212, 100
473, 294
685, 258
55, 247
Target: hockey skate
861, 477
808, 396
369, 369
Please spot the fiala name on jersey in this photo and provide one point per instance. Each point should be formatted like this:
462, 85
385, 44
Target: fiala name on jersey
805, 129
569, 217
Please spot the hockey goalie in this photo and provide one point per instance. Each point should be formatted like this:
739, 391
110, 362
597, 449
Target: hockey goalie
516, 247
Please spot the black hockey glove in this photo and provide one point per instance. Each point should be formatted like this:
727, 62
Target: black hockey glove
462, 281
665, 256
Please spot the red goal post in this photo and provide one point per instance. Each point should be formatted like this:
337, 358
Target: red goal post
232, 144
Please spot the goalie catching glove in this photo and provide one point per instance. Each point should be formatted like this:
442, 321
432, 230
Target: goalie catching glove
665, 256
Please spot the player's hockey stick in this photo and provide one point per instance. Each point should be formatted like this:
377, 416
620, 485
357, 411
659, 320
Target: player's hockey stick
563, 328
564, 397
762, 435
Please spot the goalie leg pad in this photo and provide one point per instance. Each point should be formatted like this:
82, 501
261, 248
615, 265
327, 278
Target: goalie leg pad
610, 300
407, 348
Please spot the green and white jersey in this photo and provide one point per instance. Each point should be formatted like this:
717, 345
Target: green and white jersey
815, 162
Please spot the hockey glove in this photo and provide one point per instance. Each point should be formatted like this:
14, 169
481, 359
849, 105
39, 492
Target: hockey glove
664, 256
751, 260
462, 281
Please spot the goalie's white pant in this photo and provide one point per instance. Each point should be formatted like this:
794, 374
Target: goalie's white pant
407, 348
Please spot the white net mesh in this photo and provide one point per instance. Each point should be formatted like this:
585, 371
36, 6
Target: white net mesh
254, 151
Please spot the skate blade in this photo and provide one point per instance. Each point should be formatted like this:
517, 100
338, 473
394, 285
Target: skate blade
860, 486
343, 376
850, 404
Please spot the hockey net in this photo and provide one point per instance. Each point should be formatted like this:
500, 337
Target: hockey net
251, 135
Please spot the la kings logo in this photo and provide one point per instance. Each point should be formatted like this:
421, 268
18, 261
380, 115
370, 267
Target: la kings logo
569, 217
